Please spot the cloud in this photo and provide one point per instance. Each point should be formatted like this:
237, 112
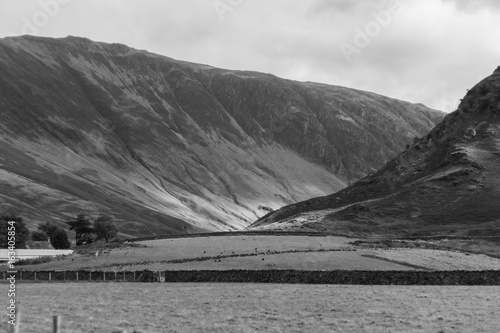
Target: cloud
472, 6
429, 52
348, 7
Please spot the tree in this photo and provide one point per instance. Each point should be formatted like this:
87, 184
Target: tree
59, 239
21, 233
39, 236
57, 235
48, 228
104, 228
84, 232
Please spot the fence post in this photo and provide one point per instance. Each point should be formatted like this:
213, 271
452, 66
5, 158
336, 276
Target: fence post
20, 275
64, 275
50, 276
15, 328
115, 276
76, 275
90, 276
134, 276
104, 276
56, 324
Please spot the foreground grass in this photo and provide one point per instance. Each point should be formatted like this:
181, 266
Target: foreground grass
154, 308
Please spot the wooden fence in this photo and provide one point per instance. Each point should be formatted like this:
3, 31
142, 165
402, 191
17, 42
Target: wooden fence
84, 275
56, 325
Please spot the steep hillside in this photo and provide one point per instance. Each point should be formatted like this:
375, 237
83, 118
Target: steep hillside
446, 183
169, 146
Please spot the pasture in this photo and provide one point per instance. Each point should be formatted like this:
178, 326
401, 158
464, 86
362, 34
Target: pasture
228, 307
250, 307
267, 252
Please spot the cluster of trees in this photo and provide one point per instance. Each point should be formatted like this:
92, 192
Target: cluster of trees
86, 231
52, 233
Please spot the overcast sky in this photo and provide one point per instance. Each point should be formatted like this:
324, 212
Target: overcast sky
425, 51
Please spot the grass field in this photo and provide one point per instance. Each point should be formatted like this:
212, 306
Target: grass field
188, 307
441, 260
300, 261
267, 252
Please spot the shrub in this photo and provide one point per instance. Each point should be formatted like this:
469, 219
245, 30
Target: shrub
34, 261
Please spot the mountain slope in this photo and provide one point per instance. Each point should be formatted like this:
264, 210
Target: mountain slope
446, 183
169, 146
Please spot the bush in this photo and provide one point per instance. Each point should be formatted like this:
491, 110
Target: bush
34, 261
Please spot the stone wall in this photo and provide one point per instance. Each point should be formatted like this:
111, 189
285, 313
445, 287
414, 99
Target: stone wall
271, 276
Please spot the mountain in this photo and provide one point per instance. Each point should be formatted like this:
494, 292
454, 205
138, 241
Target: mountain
167, 146
446, 183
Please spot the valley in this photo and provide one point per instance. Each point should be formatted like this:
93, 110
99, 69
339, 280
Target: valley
167, 147
170, 147
305, 166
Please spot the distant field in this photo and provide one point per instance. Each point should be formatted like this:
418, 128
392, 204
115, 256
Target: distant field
268, 252
441, 260
203, 307
301, 261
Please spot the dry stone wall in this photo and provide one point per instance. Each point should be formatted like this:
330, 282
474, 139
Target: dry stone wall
269, 276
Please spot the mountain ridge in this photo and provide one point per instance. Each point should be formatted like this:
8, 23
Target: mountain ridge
170, 146
445, 183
